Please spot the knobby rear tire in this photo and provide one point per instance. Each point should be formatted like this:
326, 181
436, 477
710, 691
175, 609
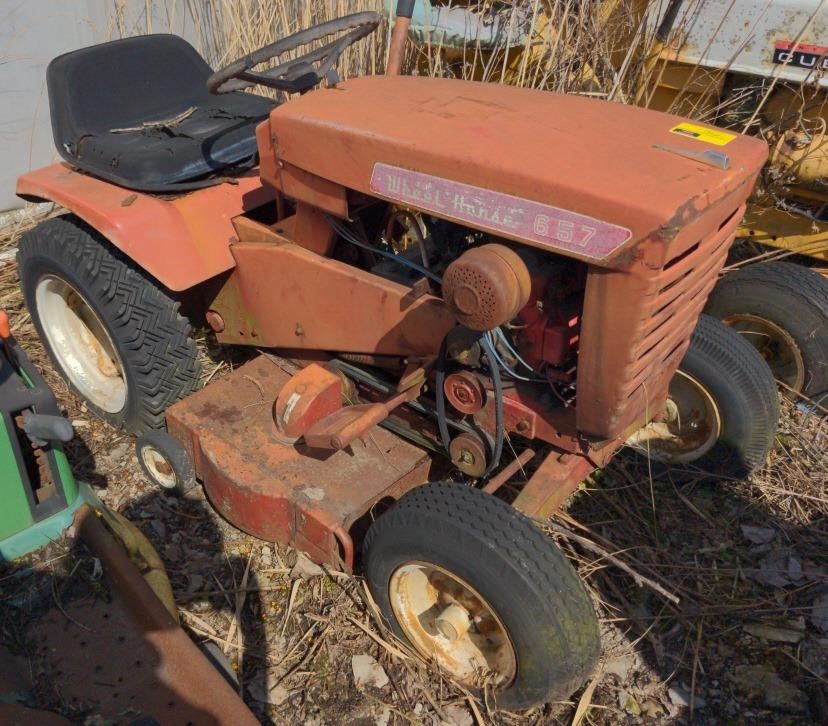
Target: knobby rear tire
151, 337
790, 296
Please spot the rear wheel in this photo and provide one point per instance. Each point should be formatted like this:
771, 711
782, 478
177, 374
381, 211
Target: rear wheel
722, 407
113, 333
471, 583
781, 309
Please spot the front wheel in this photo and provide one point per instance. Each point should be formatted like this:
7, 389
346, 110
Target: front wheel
722, 407
471, 583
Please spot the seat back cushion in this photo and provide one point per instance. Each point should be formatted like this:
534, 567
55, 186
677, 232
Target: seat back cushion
138, 113
115, 84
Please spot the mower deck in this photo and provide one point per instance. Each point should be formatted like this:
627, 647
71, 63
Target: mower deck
280, 490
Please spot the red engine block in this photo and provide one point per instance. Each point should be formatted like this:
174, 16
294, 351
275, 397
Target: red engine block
550, 322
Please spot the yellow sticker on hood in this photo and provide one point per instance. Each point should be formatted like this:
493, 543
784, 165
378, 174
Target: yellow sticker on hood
717, 137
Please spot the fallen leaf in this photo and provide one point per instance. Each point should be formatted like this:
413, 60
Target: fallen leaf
758, 535
305, 568
266, 689
819, 612
774, 634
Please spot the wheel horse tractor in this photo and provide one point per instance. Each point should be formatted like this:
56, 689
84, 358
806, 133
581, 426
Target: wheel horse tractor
449, 299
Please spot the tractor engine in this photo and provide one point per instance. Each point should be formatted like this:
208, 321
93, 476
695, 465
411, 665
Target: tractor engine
533, 299
516, 305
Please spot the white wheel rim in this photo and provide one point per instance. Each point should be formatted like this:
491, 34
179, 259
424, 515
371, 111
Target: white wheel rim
158, 467
692, 427
79, 341
430, 602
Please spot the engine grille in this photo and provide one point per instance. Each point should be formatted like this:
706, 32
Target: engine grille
638, 321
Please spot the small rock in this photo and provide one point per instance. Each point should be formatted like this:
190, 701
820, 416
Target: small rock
794, 569
116, 453
765, 684
758, 535
774, 634
266, 690
159, 528
367, 672
305, 568
779, 568
814, 655
384, 718
621, 666
173, 553
457, 716
678, 697
266, 551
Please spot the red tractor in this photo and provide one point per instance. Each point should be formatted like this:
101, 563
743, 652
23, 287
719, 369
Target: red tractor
445, 280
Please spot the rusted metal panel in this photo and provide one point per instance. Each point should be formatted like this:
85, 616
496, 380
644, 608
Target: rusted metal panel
284, 296
166, 674
278, 489
180, 241
553, 481
576, 154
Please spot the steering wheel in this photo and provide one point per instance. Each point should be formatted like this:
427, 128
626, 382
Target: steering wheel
299, 74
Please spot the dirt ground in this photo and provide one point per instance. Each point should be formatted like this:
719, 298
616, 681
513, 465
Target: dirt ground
713, 595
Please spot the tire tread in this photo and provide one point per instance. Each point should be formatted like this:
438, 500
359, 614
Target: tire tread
485, 517
146, 319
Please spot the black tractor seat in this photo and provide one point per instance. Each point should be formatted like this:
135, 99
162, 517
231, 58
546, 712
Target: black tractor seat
137, 113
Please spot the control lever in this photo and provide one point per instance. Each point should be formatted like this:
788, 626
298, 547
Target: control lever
341, 428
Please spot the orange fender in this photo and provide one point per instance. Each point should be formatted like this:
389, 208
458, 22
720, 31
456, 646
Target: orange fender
181, 241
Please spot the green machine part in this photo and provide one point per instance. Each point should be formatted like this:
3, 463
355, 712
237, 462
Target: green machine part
38, 493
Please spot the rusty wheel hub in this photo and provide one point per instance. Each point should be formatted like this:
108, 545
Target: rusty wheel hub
775, 345
158, 466
444, 618
689, 426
